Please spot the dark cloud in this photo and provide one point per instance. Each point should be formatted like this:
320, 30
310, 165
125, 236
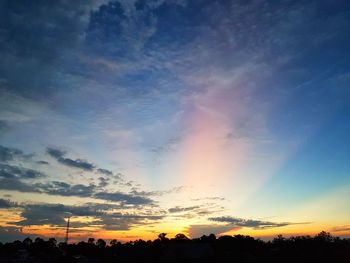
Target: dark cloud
104, 171
50, 188
42, 162
15, 184
55, 153
55, 215
78, 163
124, 198
64, 189
12, 178
11, 172
119, 221
5, 203
43, 215
9, 154
103, 182
256, 224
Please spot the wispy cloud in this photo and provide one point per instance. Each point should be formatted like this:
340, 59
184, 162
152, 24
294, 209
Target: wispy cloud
77, 163
178, 209
256, 224
17, 172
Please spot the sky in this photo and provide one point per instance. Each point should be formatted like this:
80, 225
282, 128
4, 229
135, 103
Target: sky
135, 118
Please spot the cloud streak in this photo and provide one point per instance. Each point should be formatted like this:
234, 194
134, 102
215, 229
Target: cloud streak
10, 182
17, 172
255, 224
77, 163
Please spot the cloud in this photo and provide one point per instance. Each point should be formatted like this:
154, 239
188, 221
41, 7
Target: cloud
65, 189
78, 163
42, 162
103, 182
5, 203
55, 153
15, 184
214, 198
55, 215
124, 198
119, 221
176, 189
43, 215
178, 209
256, 224
9, 154
13, 172
104, 171
9, 182
341, 228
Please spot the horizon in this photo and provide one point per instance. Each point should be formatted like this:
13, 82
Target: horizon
59, 241
137, 117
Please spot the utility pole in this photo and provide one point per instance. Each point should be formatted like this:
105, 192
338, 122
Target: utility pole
67, 231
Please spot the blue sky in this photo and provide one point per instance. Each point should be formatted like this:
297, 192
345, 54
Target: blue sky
160, 111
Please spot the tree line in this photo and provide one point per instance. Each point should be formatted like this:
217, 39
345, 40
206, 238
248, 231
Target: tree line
322, 247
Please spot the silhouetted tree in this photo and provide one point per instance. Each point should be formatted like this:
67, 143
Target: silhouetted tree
181, 237
162, 236
52, 242
324, 236
101, 243
39, 240
27, 241
91, 241
113, 242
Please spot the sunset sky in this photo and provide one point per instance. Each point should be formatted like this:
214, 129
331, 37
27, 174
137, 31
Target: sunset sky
176, 116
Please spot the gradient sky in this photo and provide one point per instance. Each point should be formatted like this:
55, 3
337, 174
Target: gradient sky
142, 117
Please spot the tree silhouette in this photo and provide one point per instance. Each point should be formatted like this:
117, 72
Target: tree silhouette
91, 241
181, 236
162, 237
27, 241
239, 248
101, 243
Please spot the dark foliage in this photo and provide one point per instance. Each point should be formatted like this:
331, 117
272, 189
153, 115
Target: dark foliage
320, 248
